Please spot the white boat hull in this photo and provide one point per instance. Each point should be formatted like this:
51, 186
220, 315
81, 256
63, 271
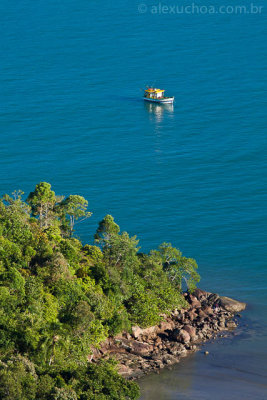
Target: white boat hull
166, 100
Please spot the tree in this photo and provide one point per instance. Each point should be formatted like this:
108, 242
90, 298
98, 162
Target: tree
101, 381
14, 215
75, 207
42, 201
121, 251
106, 229
15, 203
178, 267
119, 258
18, 379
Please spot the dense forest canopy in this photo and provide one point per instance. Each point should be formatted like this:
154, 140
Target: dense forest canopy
59, 297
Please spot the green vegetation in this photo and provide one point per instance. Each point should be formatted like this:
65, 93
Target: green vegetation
59, 298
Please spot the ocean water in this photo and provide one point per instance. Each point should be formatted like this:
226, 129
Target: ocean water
193, 174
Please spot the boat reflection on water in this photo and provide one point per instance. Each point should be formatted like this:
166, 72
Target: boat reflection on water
158, 110
157, 114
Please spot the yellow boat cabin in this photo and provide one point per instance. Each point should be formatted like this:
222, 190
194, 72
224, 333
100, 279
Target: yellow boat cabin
157, 96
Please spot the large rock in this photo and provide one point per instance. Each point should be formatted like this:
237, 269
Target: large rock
213, 298
202, 314
196, 304
191, 330
200, 294
149, 332
231, 305
169, 359
124, 370
231, 324
181, 336
136, 331
208, 310
152, 331
166, 325
139, 348
191, 298
222, 322
192, 315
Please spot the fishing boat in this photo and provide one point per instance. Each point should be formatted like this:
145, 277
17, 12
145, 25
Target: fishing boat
155, 95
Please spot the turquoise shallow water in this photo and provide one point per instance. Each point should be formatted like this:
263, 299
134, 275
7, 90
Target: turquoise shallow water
194, 175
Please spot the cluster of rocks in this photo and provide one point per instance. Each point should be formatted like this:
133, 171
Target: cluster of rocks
176, 336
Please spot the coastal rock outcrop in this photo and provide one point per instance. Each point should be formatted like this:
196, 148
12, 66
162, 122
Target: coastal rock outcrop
231, 305
153, 348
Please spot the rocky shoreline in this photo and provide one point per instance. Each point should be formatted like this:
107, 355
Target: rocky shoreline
181, 333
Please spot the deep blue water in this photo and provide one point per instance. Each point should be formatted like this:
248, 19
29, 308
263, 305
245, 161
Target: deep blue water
193, 175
